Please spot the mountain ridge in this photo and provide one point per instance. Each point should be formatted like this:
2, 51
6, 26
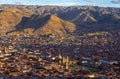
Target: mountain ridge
45, 24
85, 18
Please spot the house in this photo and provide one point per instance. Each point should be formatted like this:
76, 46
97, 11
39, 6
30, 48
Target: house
108, 62
87, 61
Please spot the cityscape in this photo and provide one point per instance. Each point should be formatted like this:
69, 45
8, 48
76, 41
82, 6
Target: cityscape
40, 56
59, 42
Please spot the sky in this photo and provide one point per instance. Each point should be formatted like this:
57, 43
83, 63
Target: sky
102, 3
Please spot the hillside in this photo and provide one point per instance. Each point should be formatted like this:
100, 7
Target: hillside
44, 24
86, 18
9, 17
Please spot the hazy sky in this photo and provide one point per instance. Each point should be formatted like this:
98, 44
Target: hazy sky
105, 3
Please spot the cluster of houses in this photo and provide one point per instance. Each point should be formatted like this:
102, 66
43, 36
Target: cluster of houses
47, 56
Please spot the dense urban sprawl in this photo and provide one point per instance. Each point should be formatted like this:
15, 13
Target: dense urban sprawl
50, 56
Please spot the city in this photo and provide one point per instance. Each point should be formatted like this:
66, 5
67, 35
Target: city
52, 56
59, 39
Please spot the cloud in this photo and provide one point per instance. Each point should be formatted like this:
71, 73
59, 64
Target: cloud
65, 4
116, 1
89, 0
93, 3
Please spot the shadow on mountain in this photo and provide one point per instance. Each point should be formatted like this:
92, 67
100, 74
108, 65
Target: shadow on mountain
34, 22
43, 24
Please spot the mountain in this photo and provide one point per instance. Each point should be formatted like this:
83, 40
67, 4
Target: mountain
44, 24
86, 18
9, 17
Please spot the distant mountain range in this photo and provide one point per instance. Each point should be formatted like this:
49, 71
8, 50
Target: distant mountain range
57, 19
